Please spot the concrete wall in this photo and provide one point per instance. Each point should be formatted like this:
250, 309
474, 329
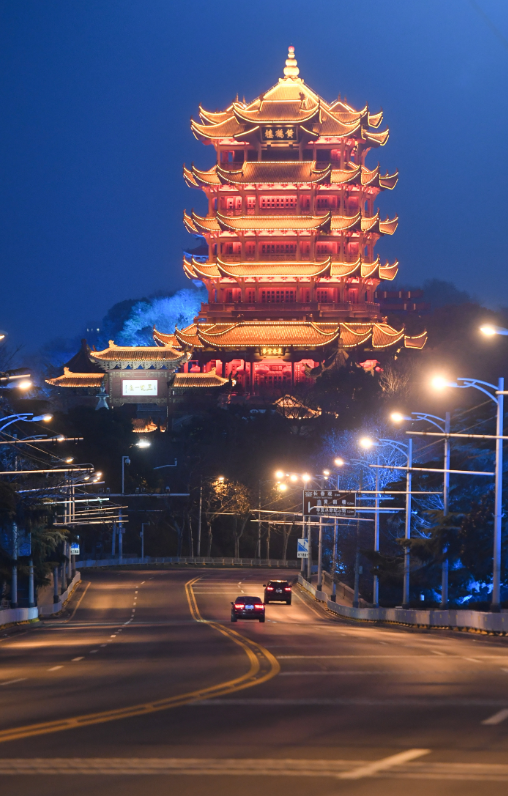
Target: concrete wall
451, 618
54, 608
9, 616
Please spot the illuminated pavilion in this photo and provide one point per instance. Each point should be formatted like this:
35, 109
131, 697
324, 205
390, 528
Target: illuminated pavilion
286, 248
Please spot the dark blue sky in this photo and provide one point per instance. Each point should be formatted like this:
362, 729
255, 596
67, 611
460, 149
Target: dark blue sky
96, 98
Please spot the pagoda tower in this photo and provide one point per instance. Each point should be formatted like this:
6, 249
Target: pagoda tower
286, 253
287, 242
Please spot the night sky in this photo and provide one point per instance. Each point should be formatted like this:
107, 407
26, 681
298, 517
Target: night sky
95, 101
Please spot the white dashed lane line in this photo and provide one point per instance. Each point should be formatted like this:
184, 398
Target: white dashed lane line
11, 682
497, 718
54, 668
81, 658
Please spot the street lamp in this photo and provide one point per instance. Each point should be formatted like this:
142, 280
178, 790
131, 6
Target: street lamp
406, 449
443, 424
143, 443
27, 417
495, 394
489, 330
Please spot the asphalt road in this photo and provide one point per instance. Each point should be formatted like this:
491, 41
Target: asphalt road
146, 687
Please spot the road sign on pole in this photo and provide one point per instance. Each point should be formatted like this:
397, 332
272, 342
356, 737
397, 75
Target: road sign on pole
330, 502
302, 549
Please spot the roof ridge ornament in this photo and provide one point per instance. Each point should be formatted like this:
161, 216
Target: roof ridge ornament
291, 68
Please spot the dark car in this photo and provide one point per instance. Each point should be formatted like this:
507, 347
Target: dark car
277, 591
247, 608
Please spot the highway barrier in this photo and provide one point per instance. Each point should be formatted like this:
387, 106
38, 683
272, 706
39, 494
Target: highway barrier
267, 563
451, 619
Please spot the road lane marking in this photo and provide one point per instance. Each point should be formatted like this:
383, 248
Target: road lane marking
92, 652
263, 666
403, 702
11, 682
54, 668
322, 674
435, 652
497, 718
81, 658
473, 660
319, 657
103, 645
384, 764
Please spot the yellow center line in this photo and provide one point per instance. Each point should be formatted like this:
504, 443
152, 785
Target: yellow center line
256, 655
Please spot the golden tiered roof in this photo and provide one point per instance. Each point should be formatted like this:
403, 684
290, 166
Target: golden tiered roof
70, 379
198, 380
117, 353
303, 335
329, 267
272, 223
296, 172
290, 102
332, 222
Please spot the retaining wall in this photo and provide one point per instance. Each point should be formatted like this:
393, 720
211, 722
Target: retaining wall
11, 616
451, 618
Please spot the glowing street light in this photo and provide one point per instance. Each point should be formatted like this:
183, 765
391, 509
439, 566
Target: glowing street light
143, 443
293, 477
367, 443
398, 417
24, 385
279, 474
282, 487
489, 330
305, 478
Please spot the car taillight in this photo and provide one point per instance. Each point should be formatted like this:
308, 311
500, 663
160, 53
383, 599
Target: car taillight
287, 588
239, 605
259, 607
269, 588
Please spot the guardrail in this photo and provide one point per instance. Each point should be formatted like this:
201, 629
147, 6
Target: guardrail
267, 563
450, 619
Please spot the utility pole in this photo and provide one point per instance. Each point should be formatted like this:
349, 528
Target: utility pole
258, 551
334, 558
198, 551
320, 556
142, 534
14, 571
375, 585
446, 487
407, 534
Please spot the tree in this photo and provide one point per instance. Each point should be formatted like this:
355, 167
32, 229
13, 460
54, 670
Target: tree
222, 497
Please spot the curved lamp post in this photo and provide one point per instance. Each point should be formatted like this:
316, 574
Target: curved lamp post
443, 424
496, 394
406, 449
